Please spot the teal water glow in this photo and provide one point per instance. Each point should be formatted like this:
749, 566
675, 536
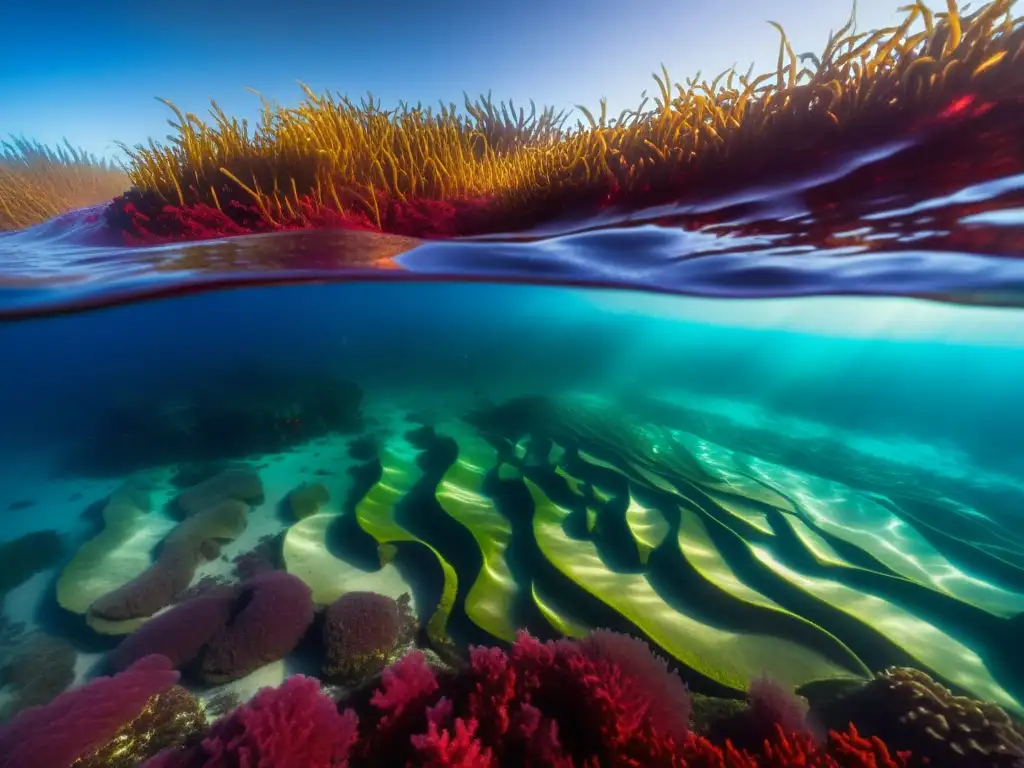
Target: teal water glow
887, 431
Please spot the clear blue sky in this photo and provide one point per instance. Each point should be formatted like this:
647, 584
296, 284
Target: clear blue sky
90, 71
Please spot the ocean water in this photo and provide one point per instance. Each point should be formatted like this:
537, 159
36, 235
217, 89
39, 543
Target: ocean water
763, 452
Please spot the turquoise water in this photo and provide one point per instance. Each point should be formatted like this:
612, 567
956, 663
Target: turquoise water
854, 461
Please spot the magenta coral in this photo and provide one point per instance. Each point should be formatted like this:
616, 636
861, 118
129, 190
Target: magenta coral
293, 725
663, 695
439, 747
605, 701
561, 704
179, 634
539, 704
80, 721
773, 704
404, 684
274, 611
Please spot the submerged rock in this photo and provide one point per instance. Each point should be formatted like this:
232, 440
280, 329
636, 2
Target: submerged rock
166, 722
909, 710
362, 633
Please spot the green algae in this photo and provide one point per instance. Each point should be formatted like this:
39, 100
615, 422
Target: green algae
489, 602
376, 514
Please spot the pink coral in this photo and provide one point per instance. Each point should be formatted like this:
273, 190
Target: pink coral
439, 747
179, 634
773, 704
562, 704
403, 684
293, 725
275, 609
604, 701
663, 695
80, 721
539, 704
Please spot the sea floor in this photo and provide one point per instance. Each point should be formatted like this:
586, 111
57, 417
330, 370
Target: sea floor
735, 540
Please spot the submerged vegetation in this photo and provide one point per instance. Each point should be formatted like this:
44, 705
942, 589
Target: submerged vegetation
38, 183
423, 171
543, 582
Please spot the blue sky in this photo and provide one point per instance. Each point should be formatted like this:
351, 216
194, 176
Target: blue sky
90, 71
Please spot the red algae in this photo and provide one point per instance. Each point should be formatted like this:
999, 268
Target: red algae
145, 218
960, 130
424, 174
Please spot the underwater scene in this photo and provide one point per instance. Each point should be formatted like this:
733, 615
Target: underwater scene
472, 437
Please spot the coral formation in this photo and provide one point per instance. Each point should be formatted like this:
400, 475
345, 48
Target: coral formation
79, 722
769, 704
294, 725
909, 710
602, 700
179, 634
225, 636
521, 708
362, 631
166, 722
307, 499
271, 616
613, 652
38, 183
567, 704
40, 669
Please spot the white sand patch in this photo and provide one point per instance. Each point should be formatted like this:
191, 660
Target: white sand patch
307, 556
269, 676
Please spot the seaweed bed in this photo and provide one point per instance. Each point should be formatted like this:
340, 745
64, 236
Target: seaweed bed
426, 172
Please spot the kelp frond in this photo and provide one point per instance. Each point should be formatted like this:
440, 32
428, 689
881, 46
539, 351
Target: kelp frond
38, 183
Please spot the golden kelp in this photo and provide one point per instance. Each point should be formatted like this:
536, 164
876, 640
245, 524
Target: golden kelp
38, 183
330, 152
331, 160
